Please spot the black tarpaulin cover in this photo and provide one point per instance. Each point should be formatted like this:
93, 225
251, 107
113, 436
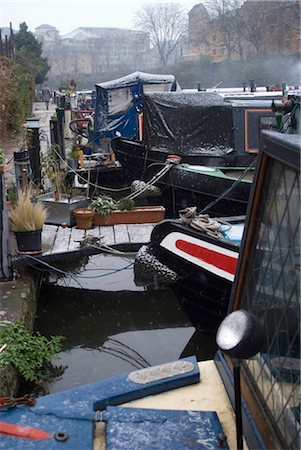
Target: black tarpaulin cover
188, 123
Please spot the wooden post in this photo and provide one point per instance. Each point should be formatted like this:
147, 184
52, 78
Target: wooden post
6, 270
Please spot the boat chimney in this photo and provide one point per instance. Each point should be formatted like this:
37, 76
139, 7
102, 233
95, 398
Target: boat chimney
253, 85
244, 86
200, 87
284, 89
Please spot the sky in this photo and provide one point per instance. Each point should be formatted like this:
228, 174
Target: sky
66, 15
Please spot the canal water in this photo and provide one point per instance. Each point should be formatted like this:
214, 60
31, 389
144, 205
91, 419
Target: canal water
110, 324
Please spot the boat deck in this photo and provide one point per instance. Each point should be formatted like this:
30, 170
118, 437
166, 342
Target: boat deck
57, 240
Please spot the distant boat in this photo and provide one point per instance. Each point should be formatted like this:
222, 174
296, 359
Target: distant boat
216, 141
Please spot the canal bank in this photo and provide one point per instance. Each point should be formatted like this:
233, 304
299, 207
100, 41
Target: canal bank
18, 302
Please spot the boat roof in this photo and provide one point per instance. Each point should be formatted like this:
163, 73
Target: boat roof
137, 77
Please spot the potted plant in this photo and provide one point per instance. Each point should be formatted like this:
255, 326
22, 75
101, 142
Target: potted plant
59, 204
26, 220
111, 212
73, 156
84, 217
51, 168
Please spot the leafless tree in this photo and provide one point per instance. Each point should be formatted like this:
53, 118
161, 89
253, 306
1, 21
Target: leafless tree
166, 24
229, 24
255, 16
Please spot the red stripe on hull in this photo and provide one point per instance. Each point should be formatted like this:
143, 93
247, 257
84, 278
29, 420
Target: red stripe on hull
217, 259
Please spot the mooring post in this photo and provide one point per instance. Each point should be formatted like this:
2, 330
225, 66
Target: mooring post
60, 112
34, 149
6, 269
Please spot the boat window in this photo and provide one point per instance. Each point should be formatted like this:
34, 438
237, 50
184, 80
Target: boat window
120, 101
163, 87
272, 292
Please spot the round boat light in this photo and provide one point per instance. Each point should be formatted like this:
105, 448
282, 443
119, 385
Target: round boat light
240, 335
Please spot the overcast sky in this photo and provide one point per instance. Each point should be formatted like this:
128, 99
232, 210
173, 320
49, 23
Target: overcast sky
66, 15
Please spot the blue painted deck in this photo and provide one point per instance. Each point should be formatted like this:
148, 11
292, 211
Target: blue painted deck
81, 402
73, 411
80, 431
152, 429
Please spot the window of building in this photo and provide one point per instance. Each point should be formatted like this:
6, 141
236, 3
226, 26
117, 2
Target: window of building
286, 43
214, 37
272, 28
298, 43
222, 51
214, 51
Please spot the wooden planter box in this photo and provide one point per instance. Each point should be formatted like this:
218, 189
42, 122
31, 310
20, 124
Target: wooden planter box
142, 214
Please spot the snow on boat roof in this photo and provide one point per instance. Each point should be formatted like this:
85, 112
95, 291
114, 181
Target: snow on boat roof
133, 78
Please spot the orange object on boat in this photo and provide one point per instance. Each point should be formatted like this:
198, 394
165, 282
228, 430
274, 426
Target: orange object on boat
22, 431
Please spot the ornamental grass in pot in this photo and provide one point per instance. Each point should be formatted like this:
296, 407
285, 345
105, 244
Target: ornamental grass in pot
26, 220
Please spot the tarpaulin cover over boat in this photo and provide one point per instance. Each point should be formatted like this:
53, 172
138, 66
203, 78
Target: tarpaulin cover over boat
187, 123
119, 101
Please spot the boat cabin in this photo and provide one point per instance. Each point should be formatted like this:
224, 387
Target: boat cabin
267, 285
118, 106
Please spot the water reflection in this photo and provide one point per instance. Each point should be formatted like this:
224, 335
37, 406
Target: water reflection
113, 326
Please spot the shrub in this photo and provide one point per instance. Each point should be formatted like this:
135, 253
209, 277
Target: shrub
29, 354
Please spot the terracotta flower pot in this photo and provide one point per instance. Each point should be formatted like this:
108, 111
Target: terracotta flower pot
84, 217
142, 214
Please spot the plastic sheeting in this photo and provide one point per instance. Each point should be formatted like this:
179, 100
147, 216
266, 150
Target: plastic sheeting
118, 102
188, 123
137, 77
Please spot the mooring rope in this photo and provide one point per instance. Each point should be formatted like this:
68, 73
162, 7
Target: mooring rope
202, 222
167, 166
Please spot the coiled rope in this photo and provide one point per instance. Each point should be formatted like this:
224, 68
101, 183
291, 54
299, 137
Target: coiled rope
202, 222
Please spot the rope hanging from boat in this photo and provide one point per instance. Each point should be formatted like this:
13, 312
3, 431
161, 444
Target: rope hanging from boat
202, 222
144, 187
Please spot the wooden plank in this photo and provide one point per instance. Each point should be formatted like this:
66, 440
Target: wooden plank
62, 239
94, 232
76, 235
48, 238
107, 235
140, 233
121, 234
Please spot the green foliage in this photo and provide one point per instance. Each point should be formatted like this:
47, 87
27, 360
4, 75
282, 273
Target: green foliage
16, 98
104, 205
21, 97
50, 164
12, 192
29, 354
29, 54
126, 203
1, 156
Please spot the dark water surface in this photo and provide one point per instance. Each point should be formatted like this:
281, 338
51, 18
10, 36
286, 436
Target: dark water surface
111, 326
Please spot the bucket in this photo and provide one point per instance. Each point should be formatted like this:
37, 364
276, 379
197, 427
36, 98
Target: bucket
29, 242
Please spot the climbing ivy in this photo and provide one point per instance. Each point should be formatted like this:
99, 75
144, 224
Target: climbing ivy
29, 353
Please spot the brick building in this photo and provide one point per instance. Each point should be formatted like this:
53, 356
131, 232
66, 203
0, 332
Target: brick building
256, 28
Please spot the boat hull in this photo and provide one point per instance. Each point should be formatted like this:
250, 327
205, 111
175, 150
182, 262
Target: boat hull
135, 157
205, 267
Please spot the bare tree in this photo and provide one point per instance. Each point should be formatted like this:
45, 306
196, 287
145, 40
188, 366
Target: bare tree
255, 15
229, 24
166, 24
